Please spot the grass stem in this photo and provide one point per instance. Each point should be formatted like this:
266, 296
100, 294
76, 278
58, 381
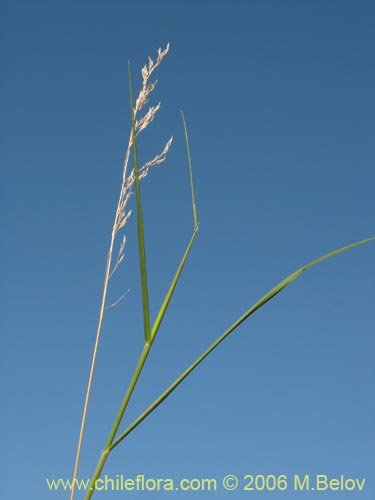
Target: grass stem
119, 416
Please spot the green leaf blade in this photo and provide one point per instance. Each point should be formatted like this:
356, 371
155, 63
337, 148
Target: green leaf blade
190, 172
176, 277
141, 238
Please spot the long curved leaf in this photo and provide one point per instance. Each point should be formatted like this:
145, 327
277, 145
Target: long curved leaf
267, 297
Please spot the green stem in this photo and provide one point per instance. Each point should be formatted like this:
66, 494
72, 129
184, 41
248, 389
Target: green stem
117, 422
98, 471
129, 392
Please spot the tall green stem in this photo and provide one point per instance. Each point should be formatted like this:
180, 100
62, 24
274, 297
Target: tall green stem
128, 394
119, 416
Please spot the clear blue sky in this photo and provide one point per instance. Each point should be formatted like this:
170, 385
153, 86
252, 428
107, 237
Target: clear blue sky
279, 99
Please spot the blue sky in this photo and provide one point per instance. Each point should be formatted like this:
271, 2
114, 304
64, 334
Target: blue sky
280, 107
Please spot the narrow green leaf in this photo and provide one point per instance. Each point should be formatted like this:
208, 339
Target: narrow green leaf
172, 287
190, 171
141, 238
267, 297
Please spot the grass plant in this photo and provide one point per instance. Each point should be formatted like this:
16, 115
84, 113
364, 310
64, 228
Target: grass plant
133, 180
